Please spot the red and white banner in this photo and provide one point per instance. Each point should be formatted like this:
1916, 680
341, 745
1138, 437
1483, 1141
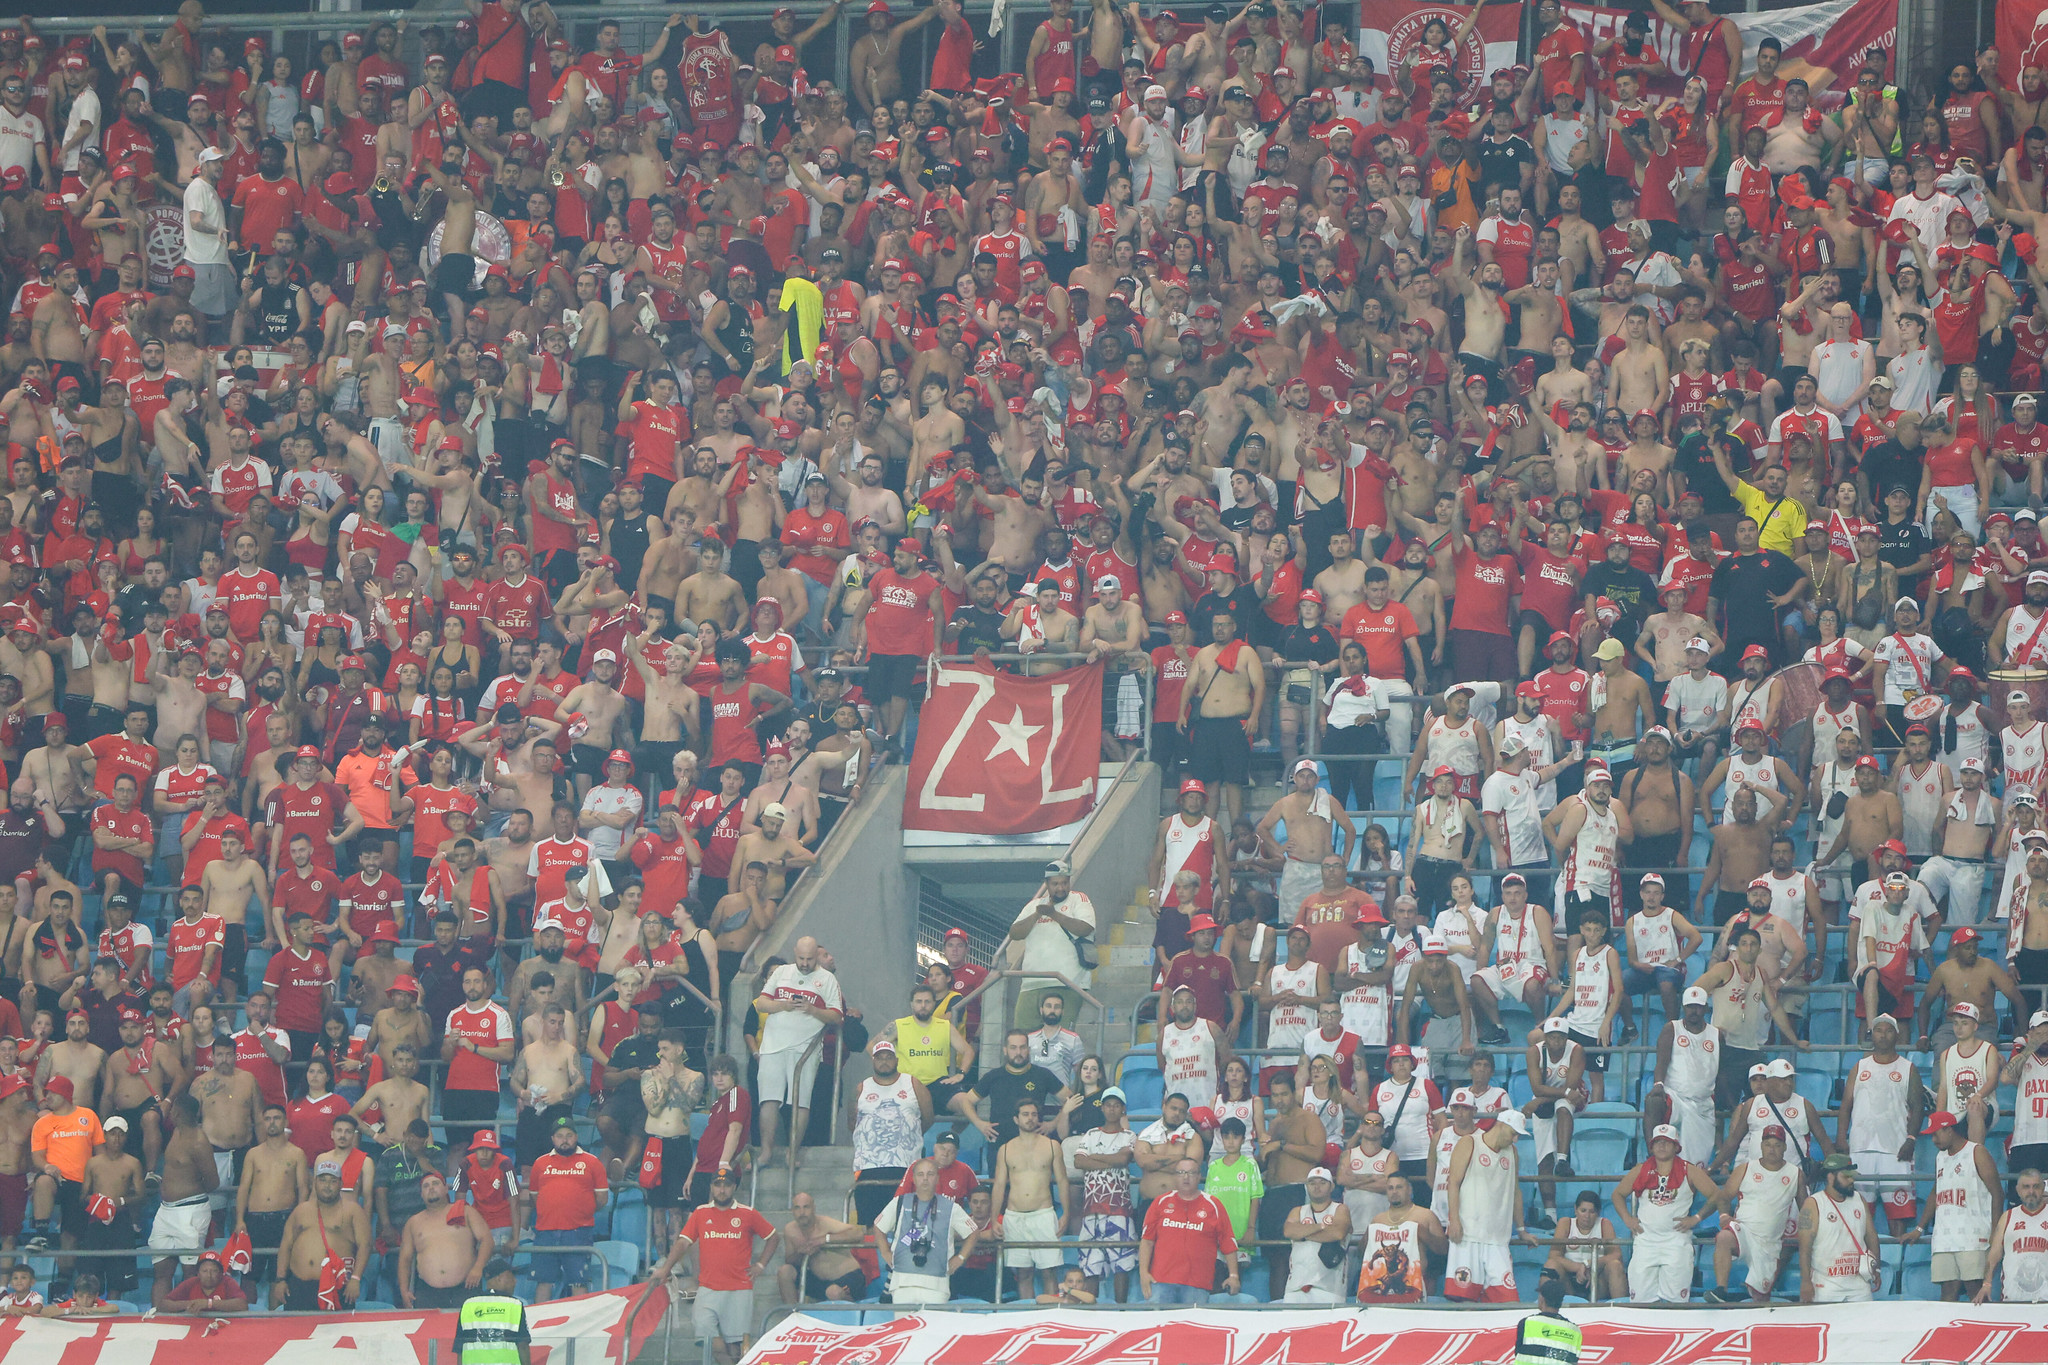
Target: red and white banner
2022, 38
591, 1329
1822, 43
1000, 754
1934, 1333
1388, 30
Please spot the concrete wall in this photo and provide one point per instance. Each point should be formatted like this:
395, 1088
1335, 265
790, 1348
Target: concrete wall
859, 903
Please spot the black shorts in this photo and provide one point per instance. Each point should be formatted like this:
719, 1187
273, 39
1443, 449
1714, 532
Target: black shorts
891, 676
535, 1131
673, 1191
70, 1205
456, 274
234, 956
853, 1282
625, 1108
427, 1296
1219, 750
465, 1111
1596, 1054
301, 1296
1787, 376
588, 760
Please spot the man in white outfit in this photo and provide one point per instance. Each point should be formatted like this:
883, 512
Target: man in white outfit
1661, 1219
1966, 1204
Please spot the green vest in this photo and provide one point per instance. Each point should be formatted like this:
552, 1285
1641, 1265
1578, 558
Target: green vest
488, 1328
1544, 1340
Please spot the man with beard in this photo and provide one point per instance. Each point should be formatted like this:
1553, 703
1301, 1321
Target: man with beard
1399, 1243
1753, 584
445, 1246
323, 1247
2019, 638
1485, 312
2019, 1243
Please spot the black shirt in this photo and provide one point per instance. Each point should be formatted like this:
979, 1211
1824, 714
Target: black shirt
1300, 645
1744, 585
1901, 544
1629, 588
1888, 465
22, 836
641, 1050
979, 628
1242, 604
439, 972
1006, 1089
1694, 460
1500, 163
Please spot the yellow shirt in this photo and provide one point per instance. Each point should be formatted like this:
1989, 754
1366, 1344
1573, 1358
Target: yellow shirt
1781, 523
924, 1051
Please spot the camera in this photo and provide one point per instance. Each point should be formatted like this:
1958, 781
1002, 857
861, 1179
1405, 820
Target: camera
920, 1248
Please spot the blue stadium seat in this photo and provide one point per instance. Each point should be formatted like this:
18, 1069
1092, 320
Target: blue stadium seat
1144, 1089
1234, 1298
375, 1306
629, 1220
1817, 1086
1253, 1279
1602, 1146
1918, 1279
623, 1259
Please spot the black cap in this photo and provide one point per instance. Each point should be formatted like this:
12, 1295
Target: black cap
830, 253
118, 899
497, 1266
948, 1136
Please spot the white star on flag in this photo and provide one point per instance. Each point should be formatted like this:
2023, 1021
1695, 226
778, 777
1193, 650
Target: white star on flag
1013, 737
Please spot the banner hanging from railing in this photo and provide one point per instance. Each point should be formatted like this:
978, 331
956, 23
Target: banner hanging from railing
1935, 1333
1389, 31
1001, 754
607, 1328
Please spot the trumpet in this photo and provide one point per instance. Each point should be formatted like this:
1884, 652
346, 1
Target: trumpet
426, 201
555, 177
381, 185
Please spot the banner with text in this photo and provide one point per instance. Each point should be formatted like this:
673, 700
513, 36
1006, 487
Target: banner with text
1000, 754
591, 1329
1837, 1334
1823, 44
1390, 30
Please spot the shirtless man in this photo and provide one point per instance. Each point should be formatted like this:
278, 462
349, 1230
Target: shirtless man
134, 1081
1871, 819
710, 594
877, 72
1963, 830
1018, 521
868, 500
185, 1194
599, 702
1623, 710
393, 1103
1030, 1168
18, 1114
230, 1112
545, 1078
817, 1259
774, 845
1312, 818
1113, 630
276, 1178
1658, 797
76, 1058
323, 1227
445, 1246
1219, 713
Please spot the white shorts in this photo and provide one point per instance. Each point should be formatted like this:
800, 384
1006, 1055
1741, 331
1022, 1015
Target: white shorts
1298, 881
1693, 1116
223, 1196
1962, 883
1660, 1269
1034, 1225
782, 1081
1508, 983
1888, 1182
1842, 1289
182, 1226
1544, 1132
1762, 1250
723, 1314
1873, 170
1480, 1272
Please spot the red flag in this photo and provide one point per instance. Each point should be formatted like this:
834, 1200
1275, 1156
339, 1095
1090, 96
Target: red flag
2022, 38
1000, 754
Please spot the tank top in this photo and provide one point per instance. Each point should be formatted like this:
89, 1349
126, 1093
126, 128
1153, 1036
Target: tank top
1593, 985
1581, 1245
888, 1127
1841, 1243
1788, 899
1365, 1008
1191, 847
1596, 848
924, 1050
1556, 1070
1827, 724
1877, 1117
1695, 1062
1762, 772
1972, 736
2025, 1256
1661, 1200
1962, 1203
1190, 1054
1454, 745
1739, 1010
1514, 941
1306, 1273
1791, 1116
1920, 799
1486, 1197
1535, 736
1768, 1200
1409, 1137
1241, 1110
1393, 1264
1364, 1204
1978, 1070
1653, 939
1289, 1024
2030, 1105
2024, 752
2026, 641
1445, 1142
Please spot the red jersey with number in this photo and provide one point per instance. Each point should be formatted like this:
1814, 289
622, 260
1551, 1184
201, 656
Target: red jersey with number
310, 811
134, 825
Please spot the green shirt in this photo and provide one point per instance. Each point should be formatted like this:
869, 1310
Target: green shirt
1234, 1184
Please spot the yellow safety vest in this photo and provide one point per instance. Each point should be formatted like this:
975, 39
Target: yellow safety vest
1547, 1340
488, 1328
924, 1051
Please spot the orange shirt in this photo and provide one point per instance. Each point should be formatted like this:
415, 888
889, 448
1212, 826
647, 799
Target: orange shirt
368, 781
67, 1140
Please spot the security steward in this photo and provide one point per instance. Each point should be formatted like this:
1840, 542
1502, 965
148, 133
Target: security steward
491, 1328
1546, 1337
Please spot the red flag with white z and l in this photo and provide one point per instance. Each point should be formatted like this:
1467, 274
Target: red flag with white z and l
1002, 754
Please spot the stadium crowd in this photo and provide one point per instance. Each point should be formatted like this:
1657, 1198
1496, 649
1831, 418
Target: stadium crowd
496, 493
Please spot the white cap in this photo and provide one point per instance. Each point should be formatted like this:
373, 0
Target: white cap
1651, 879
1319, 1173
115, 1124
1699, 642
546, 922
2017, 695
1155, 92
1696, 995
1515, 1119
1463, 1095
1973, 765
1108, 580
1664, 1130
774, 810
1304, 765
207, 154
1510, 747
1778, 1069
1554, 1025
357, 326
1756, 1071
604, 656
1433, 942
2040, 1018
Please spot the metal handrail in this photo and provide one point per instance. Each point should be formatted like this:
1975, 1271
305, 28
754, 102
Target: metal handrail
999, 973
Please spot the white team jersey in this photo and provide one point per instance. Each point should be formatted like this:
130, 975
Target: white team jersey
1595, 852
1788, 899
2024, 1257
1190, 1055
1461, 931
1455, 745
1185, 841
1242, 1111
1557, 1070
1973, 736
1962, 1202
1976, 1070
1740, 1011
1487, 1195
1289, 1024
1653, 939
1878, 1116
1364, 1008
1842, 1249
1514, 940
1410, 1137
888, 1125
1593, 985
1661, 1201
1761, 772
1485, 1103
2024, 752
2026, 639
1751, 703
1513, 799
1770, 1200
1920, 799
1445, 1142
1695, 1062
1791, 1116
1306, 1274
1827, 723
1828, 780
2030, 1104
1536, 737
1561, 133
1364, 1204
